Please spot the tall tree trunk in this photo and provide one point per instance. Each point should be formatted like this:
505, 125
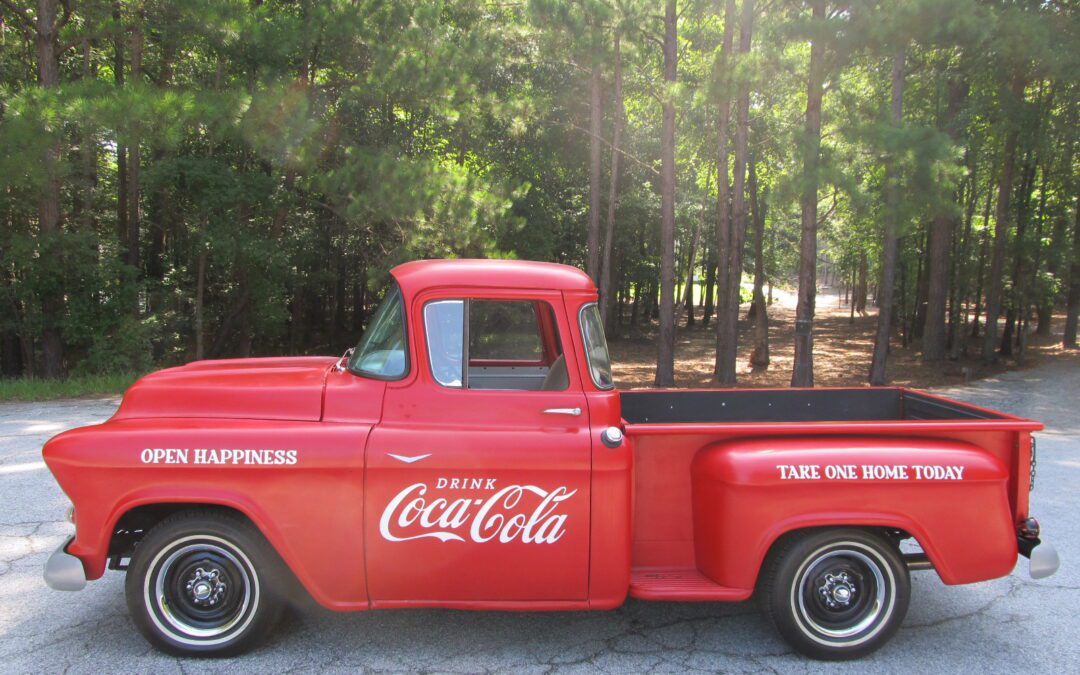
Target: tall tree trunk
592, 265
802, 373
728, 320
162, 217
1017, 311
1001, 227
941, 231
918, 310
200, 295
119, 51
710, 286
889, 246
984, 248
665, 356
1026, 280
47, 29
134, 158
861, 288
691, 261
1073, 311
695, 242
851, 294
723, 195
359, 302
1043, 304
958, 309
613, 191
759, 359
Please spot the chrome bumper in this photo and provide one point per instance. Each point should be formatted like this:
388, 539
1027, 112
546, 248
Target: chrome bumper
1044, 560
63, 571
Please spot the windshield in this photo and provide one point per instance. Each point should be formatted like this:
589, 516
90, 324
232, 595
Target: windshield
381, 352
596, 351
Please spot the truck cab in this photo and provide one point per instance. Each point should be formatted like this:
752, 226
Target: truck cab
482, 470
472, 452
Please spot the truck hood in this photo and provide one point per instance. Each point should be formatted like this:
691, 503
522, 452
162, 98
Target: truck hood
265, 389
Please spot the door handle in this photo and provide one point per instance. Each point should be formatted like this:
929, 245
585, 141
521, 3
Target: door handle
563, 411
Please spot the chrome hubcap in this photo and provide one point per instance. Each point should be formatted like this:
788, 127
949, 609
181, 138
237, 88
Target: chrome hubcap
837, 590
205, 588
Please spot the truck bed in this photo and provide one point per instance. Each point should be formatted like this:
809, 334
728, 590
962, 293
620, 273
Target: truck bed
669, 427
793, 405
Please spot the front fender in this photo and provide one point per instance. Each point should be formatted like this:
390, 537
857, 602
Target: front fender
951, 496
307, 501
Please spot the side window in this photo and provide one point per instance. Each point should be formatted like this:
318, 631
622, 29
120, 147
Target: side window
444, 322
596, 350
504, 331
495, 344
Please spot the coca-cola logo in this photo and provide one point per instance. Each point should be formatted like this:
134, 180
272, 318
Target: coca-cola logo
515, 512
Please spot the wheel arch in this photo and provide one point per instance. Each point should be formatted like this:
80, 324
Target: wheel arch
132, 520
891, 527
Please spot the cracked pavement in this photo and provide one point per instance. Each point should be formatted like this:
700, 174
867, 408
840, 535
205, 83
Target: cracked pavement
1008, 624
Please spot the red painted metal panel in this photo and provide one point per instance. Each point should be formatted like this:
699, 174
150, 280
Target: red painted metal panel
275, 388
307, 501
478, 495
951, 496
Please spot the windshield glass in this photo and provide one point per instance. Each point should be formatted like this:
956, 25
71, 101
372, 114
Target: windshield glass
596, 351
381, 351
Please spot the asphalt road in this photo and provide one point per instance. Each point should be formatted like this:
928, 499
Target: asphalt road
1007, 625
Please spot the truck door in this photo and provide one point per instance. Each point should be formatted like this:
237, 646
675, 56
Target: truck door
478, 475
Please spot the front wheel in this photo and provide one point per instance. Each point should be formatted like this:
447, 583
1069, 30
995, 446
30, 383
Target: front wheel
198, 585
836, 594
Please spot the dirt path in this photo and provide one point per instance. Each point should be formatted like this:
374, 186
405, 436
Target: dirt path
842, 351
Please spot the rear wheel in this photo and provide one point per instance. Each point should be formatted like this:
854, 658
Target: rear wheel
836, 594
199, 585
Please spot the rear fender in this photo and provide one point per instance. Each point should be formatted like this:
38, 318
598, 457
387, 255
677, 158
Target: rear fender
951, 496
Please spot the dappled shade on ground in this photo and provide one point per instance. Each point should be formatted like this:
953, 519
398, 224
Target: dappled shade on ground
842, 351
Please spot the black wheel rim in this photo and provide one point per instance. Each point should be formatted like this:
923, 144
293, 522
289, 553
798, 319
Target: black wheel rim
202, 588
843, 594
201, 591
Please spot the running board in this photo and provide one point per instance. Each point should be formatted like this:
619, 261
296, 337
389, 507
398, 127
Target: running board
685, 584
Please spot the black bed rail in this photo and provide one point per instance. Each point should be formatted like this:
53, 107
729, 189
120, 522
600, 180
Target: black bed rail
791, 405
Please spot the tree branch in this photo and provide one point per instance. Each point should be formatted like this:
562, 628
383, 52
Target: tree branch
68, 10
621, 151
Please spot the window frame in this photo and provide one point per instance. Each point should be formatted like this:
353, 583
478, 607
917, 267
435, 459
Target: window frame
546, 357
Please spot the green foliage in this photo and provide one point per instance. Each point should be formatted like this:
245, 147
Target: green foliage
289, 152
32, 389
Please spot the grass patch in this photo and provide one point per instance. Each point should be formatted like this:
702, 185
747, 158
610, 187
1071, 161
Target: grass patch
34, 389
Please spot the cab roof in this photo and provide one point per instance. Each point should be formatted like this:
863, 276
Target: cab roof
414, 277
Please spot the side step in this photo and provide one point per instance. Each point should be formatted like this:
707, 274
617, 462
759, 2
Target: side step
680, 583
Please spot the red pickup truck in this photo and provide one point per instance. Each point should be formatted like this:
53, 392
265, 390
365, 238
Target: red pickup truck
472, 452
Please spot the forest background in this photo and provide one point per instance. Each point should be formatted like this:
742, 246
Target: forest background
213, 178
